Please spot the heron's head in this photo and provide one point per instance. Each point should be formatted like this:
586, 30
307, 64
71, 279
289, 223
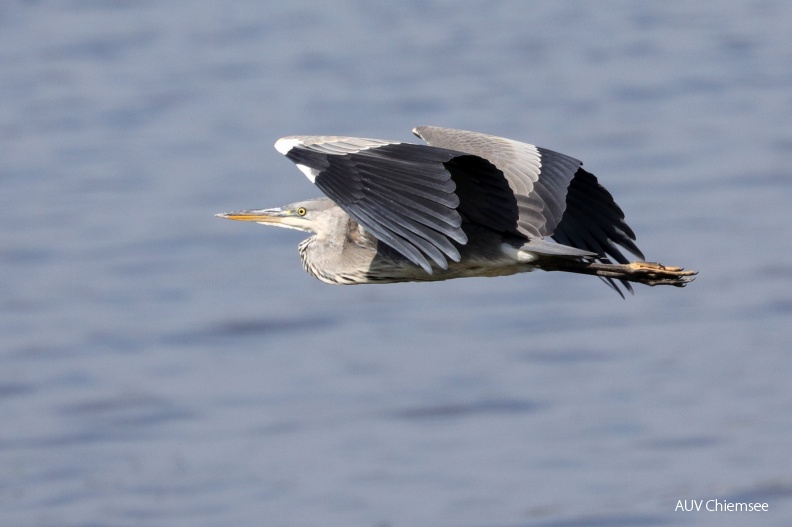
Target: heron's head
309, 216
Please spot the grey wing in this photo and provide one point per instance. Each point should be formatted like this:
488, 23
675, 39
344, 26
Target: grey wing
400, 192
555, 196
540, 200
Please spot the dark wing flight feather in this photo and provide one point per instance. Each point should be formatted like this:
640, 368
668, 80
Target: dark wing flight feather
400, 192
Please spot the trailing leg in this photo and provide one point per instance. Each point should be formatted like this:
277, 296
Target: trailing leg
649, 273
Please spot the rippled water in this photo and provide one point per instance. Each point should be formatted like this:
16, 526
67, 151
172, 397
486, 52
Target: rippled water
159, 366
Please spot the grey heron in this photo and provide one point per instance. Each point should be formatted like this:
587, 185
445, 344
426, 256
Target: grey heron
464, 204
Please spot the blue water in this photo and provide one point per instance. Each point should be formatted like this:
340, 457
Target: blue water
161, 367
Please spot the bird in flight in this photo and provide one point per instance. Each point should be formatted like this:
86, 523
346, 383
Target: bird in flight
464, 204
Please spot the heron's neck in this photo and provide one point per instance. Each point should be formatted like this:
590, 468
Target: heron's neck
340, 259
309, 250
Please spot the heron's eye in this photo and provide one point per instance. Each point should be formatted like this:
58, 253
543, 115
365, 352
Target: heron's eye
301, 211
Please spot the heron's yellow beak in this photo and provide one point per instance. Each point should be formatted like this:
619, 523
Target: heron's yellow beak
258, 215
287, 217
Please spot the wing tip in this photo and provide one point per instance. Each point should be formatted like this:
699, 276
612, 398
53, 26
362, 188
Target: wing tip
285, 144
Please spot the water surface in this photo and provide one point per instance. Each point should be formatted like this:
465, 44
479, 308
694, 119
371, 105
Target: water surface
159, 366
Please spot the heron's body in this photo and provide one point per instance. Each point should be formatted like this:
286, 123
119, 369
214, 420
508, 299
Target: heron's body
359, 258
468, 204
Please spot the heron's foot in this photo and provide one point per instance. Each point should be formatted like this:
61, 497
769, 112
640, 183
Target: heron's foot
649, 273
653, 273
